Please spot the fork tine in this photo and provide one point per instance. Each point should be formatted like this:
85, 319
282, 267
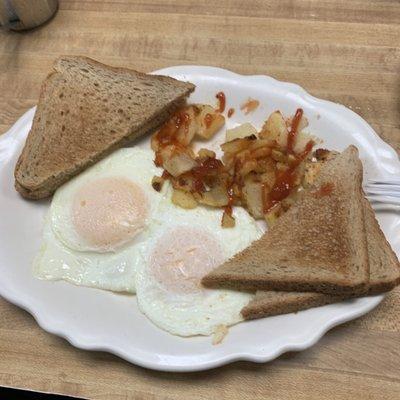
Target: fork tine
384, 199
383, 187
393, 182
385, 207
383, 191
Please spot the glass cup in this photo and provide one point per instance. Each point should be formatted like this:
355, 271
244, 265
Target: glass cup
26, 14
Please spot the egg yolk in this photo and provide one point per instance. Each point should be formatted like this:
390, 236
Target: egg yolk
182, 256
109, 212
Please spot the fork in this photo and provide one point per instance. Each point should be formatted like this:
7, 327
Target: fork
385, 192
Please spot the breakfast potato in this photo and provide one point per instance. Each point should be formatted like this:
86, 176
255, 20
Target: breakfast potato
261, 152
273, 214
209, 121
265, 165
302, 138
215, 197
189, 126
177, 162
252, 192
154, 143
237, 145
247, 167
275, 129
157, 183
282, 167
278, 156
183, 199
227, 221
206, 153
268, 177
240, 132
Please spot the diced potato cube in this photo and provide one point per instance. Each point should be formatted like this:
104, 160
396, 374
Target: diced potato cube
278, 156
255, 144
154, 144
236, 145
215, 197
252, 192
270, 219
243, 155
237, 191
291, 159
209, 121
183, 199
275, 129
268, 178
265, 165
205, 153
182, 182
261, 152
177, 163
272, 215
227, 220
240, 132
248, 166
157, 183
282, 166
302, 138
189, 126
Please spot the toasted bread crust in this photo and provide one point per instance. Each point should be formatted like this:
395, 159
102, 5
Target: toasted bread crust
267, 304
86, 110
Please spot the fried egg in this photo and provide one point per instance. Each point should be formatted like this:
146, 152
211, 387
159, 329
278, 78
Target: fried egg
97, 222
184, 246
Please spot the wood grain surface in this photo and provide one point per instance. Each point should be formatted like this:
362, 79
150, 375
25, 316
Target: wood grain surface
345, 51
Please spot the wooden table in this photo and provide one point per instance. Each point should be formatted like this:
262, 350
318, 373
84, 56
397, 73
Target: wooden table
346, 51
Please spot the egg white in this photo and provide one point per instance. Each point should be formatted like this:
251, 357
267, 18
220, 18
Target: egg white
65, 256
108, 271
200, 312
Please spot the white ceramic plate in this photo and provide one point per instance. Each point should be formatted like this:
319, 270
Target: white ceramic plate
98, 320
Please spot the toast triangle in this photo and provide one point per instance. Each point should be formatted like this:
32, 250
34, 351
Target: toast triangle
86, 110
319, 244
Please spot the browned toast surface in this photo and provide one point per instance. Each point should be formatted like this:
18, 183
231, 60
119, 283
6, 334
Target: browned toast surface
85, 111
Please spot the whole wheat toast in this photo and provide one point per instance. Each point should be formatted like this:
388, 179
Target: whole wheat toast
319, 244
384, 270
86, 110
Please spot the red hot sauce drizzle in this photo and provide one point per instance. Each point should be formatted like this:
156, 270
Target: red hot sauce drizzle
324, 190
285, 181
222, 101
293, 130
230, 192
167, 135
208, 119
208, 167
